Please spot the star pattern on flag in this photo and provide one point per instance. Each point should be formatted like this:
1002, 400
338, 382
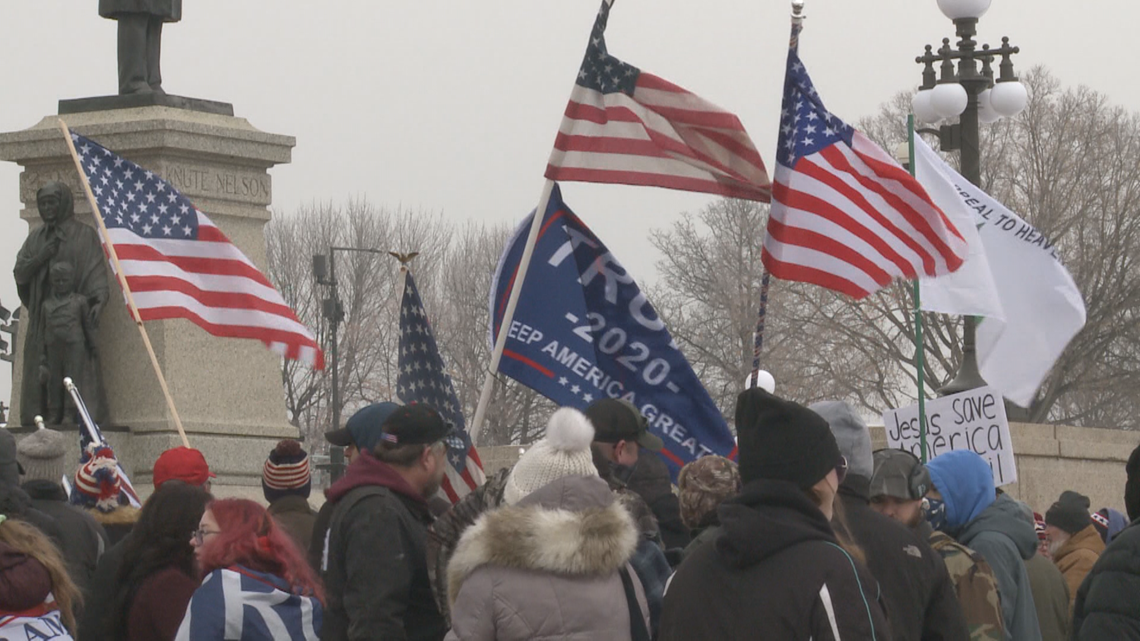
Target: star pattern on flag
133, 198
600, 71
422, 375
806, 126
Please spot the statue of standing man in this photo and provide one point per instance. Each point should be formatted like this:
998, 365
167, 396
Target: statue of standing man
61, 240
140, 40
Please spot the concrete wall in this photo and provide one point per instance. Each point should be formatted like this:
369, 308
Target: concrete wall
1050, 459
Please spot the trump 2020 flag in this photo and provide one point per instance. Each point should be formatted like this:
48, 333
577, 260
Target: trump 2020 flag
1013, 277
584, 331
423, 379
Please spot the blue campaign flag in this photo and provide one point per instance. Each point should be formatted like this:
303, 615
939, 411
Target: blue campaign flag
583, 330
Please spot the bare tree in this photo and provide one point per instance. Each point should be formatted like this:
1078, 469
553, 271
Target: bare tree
1069, 164
453, 272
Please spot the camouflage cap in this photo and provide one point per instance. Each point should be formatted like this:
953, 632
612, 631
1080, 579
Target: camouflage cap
703, 485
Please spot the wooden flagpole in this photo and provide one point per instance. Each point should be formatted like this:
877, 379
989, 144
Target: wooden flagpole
509, 312
123, 280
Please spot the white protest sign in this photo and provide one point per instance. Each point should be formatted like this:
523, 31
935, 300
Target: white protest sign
973, 420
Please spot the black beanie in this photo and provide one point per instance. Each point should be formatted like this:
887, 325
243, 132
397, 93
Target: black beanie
782, 440
1070, 513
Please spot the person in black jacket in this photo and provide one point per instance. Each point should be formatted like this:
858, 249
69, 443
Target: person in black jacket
777, 571
42, 455
919, 597
1107, 606
377, 584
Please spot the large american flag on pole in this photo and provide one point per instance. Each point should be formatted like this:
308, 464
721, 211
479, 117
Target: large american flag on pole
423, 379
844, 214
625, 126
178, 264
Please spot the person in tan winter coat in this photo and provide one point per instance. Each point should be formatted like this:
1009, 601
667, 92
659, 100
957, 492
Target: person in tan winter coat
553, 563
1074, 543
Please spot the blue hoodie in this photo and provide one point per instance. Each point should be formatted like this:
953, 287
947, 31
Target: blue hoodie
966, 483
994, 528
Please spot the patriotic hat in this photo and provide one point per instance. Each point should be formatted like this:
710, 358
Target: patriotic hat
286, 472
97, 483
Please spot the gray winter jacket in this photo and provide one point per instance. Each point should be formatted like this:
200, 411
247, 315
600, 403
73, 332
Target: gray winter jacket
546, 568
1006, 541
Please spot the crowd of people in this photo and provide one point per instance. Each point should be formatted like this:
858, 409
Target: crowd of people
809, 534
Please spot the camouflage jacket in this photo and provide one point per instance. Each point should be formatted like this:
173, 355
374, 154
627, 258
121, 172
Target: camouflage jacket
976, 586
443, 535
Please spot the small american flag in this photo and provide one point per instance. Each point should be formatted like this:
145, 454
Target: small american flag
423, 379
178, 264
625, 126
845, 215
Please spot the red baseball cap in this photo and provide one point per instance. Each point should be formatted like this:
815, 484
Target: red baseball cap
185, 464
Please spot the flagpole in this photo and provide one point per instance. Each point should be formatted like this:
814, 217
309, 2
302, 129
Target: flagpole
919, 345
758, 335
123, 280
509, 312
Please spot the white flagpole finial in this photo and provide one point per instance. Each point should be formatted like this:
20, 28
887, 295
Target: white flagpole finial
39, 420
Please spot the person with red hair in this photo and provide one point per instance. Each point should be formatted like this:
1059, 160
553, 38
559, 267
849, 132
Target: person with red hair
256, 583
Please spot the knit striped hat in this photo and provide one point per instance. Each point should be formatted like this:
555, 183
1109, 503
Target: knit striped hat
97, 483
286, 472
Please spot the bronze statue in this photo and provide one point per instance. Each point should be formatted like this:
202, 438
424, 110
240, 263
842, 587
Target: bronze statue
140, 40
61, 239
69, 340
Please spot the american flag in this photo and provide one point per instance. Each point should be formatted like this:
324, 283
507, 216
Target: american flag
423, 379
178, 264
845, 215
625, 126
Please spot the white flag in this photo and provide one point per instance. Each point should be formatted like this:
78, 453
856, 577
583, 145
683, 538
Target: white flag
1013, 277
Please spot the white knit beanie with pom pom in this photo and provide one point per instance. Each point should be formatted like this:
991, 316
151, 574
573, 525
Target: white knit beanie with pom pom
564, 451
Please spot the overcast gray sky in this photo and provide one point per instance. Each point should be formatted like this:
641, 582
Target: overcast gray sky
453, 106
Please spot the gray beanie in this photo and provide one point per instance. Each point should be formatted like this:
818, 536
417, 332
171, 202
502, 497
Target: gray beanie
42, 454
9, 468
851, 434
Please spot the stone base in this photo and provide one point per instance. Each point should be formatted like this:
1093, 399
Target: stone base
228, 392
107, 103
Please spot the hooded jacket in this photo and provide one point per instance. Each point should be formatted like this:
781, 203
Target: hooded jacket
1076, 557
25, 608
1106, 606
84, 539
994, 529
376, 583
917, 594
776, 572
547, 568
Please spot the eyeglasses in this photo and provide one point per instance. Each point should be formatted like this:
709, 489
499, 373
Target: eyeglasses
841, 469
201, 533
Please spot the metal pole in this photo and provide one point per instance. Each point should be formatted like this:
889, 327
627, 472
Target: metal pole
336, 453
974, 83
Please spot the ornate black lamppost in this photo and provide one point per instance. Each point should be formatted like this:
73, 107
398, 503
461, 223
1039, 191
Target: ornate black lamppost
972, 95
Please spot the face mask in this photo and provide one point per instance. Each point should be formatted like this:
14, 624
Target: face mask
935, 511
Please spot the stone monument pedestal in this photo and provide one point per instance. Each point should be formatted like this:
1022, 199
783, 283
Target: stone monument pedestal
228, 392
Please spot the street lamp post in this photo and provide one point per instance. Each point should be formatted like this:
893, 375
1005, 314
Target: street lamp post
324, 270
971, 95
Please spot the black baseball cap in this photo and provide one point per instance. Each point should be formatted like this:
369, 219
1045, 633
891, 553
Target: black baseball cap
415, 424
616, 420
